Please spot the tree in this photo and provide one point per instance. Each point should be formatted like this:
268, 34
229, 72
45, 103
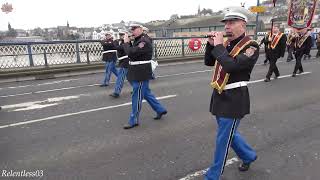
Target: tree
38, 32
174, 16
11, 32
206, 11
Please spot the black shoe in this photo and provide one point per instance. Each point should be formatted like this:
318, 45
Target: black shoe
160, 115
128, 126
276, 77
103, 85
115, 95
267, 80
300, 72
293, 75
0, 107
246, 166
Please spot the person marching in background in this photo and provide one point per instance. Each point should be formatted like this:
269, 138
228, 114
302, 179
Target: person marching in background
123, 61
302, 44
290, 45
276, 47
109, 55
139, 74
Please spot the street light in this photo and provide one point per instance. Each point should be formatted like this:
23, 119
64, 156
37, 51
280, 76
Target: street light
257, 21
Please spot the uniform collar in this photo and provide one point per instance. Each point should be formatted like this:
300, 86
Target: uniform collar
235, 41
138, 37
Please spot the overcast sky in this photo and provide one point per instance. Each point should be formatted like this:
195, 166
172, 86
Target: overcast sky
28, 14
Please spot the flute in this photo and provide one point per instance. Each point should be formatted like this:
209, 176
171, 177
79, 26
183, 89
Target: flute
225, 35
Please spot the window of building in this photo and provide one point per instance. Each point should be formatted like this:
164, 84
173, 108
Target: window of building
204, 29
194, 29
185, 30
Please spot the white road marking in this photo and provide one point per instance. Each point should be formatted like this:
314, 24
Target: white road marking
280, 77
202, 172
38, 104
50, 90
179, 74
42, 84
77, 113
90, 85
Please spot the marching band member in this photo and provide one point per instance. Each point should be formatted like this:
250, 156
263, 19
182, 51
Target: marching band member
318, 45
139, 74
123, 60
109, 55
276, 48
302, 44
308, 47
290, 45
233, 62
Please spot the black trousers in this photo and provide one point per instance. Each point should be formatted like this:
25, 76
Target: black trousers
318, 53
273, 68
290, 51
298, 65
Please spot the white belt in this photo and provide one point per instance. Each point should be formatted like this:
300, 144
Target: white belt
139, 62
236, 85
123, 57
109, 51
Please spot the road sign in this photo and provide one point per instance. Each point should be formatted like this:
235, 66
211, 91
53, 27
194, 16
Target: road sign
195, 44
257, 9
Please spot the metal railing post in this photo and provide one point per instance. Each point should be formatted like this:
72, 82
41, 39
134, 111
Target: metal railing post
87, 52
78, 53
155, 51
182, 49
30, 55
45, 58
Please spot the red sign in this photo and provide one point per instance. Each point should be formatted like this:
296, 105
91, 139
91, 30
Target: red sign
195, 44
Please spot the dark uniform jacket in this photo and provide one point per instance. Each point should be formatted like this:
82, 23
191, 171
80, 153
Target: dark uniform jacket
109, 45
140, 50
304, 49
292, 42
265, 42
122, 56
279, 50
318, 41
232, 103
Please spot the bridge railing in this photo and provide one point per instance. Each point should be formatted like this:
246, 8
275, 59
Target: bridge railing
21, 55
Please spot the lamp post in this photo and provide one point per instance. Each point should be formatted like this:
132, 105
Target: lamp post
257, 21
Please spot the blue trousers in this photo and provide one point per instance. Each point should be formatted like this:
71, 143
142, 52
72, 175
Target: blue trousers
227, 135
110, 66
122, 74
142, 91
